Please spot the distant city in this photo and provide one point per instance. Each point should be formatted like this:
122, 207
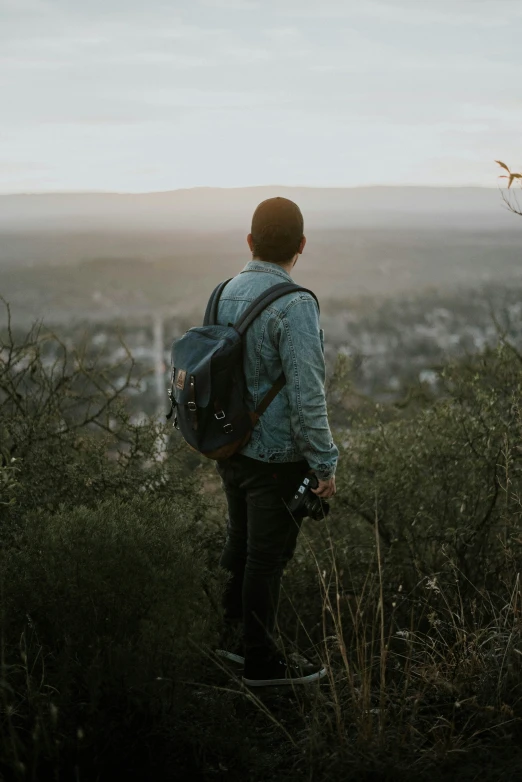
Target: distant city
407, 277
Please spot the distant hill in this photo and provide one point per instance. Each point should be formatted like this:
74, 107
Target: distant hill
92, 254
202, 209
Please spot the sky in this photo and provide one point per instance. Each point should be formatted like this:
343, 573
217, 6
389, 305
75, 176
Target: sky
128, 96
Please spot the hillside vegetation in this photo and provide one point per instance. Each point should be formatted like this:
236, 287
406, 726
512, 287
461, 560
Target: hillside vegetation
110, 535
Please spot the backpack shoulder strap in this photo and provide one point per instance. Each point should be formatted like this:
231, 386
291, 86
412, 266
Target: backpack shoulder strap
269, 397
253, 310
211, 310
266, 298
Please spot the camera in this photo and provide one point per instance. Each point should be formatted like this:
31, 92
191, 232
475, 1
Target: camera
305, 503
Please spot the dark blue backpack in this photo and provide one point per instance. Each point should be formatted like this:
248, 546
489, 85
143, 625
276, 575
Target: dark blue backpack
208, 388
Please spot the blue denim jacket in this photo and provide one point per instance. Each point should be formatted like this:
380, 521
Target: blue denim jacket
285, 337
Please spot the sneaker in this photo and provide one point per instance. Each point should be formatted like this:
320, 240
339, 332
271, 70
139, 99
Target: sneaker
231, 646
298, 670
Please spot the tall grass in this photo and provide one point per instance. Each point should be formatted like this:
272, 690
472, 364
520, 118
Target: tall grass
419, 683
409, 592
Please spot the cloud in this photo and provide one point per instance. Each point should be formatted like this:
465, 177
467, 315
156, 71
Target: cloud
246, 54
231, 5
88, 87
480, 13
173, 60
186, 98
8, 167
454, 13
27, 6
283, 33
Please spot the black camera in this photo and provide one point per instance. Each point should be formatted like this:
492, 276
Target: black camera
306, 503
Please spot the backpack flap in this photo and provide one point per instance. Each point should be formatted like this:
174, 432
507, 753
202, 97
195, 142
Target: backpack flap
192, 357
192, 361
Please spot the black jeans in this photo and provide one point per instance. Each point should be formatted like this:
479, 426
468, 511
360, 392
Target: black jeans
261, 539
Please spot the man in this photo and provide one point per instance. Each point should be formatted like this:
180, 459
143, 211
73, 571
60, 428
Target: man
290, 439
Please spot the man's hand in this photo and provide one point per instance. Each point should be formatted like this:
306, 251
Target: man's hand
325, 489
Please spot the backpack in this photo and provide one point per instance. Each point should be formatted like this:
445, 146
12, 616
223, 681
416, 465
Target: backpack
208, 388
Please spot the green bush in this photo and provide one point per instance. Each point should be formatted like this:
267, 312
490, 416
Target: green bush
63, 413
8, 481
407, 702
106, 612
111, 592
410, 589
444, 484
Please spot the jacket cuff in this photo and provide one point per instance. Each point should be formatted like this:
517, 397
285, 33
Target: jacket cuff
323, 472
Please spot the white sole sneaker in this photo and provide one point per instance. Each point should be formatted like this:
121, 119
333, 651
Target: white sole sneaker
311, 677
235, 658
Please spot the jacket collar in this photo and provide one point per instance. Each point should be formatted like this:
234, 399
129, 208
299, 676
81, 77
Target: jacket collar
266, 266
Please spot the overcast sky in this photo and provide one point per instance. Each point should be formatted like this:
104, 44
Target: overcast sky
138, 96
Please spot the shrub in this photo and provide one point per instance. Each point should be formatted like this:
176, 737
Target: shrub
444, 484
64, 417
8, 481
409, 589
413, 699
105, 613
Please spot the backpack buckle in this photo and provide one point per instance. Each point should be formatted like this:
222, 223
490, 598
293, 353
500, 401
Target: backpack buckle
192, 406
219, 415
228, 428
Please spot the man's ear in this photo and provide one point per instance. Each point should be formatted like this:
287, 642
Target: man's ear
250, 242
302, 245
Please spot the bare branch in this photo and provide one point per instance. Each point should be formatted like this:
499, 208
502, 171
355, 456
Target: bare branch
509, 197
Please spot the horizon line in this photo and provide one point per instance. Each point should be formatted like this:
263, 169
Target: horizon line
251, 187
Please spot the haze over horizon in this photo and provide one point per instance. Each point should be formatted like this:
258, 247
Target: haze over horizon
277, 185
115, 97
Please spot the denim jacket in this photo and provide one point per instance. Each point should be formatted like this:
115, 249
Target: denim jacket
287, 338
